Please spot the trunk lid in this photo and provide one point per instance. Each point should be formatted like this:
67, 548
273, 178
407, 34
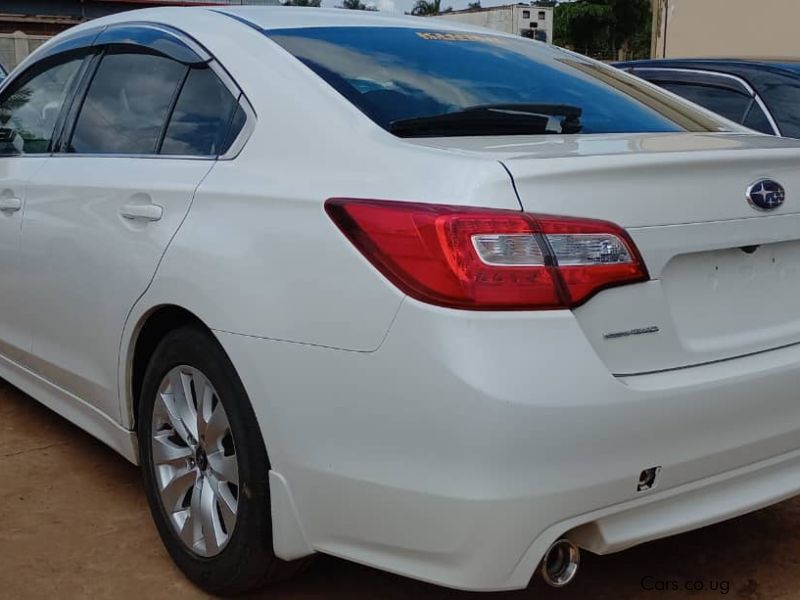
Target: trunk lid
724, 275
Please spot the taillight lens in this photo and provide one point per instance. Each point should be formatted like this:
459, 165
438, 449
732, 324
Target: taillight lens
488, 259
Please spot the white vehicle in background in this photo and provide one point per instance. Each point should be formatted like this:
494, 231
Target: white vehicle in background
446, 302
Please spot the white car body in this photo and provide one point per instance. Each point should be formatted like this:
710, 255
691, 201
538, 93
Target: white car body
453, 446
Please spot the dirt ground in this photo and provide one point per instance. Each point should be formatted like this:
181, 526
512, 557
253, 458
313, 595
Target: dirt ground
74, 524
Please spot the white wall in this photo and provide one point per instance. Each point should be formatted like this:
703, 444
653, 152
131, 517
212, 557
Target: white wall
16, 46
508, 19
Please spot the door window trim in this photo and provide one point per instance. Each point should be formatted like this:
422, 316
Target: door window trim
36, 69
741, 81
148, 37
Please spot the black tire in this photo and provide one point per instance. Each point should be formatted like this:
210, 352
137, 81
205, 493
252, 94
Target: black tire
247, 561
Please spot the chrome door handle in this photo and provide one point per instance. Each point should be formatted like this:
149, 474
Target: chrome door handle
10, 204
141, 212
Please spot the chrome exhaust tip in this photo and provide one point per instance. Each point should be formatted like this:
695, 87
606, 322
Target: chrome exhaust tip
560, 563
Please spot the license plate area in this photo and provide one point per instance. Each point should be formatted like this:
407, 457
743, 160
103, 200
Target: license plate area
736, 300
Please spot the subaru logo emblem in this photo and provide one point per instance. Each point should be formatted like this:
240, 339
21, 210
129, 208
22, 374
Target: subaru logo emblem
766, 194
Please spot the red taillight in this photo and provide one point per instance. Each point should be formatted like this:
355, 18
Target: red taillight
488, 259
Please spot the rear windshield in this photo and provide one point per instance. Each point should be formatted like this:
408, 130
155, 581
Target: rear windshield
396, 74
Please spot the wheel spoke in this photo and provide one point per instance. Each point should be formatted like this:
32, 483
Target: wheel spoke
226, 502
224, 467
181, 386
192, 531
212, 530
217, 427
167, 452
174, 491
186, 531
166, 413
205, 397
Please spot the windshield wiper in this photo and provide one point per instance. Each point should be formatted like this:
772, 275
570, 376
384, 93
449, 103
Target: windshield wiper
494, 119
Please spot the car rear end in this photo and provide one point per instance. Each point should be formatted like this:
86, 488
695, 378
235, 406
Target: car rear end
613, 360
652, 407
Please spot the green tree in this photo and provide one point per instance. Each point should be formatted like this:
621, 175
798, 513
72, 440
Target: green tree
427, 8
16, 100
631, 18
474, 5
356, 5
545, 3
602, 27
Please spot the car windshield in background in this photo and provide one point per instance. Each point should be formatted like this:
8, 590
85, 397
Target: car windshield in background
422, 82
794, 67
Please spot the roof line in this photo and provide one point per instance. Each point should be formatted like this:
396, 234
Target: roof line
238, 18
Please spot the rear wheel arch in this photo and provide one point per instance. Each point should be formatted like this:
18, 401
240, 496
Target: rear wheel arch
151, 329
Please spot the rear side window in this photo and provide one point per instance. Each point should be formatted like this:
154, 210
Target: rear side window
730, 104
202, 115
396, 74
782, 97
127, 105
756, 119
29, 110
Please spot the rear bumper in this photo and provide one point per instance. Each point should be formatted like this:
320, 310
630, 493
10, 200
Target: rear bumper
468, 442
691, 506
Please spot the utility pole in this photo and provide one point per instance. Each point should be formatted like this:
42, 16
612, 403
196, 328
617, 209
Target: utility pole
655, 30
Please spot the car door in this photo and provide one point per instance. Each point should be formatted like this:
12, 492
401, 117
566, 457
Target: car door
102, 211
723, 93
30, 106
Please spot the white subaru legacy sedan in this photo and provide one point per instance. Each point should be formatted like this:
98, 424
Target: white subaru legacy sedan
450, 303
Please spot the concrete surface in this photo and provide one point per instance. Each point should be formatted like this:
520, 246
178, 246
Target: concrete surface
74, 524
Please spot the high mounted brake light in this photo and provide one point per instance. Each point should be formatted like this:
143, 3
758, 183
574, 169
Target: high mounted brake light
488, 259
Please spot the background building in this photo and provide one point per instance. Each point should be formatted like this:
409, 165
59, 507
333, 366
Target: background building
520, 19
726, 28
26, 24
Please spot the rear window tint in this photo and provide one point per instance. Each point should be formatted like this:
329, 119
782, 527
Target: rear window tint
199, 123
127, 104
782, 97
756, 119
395, 74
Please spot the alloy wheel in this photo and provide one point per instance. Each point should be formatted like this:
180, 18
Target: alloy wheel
194, 459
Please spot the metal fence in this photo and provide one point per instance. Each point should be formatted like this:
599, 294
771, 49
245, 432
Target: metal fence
16, 46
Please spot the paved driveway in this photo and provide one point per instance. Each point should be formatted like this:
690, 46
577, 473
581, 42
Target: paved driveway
74, 524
